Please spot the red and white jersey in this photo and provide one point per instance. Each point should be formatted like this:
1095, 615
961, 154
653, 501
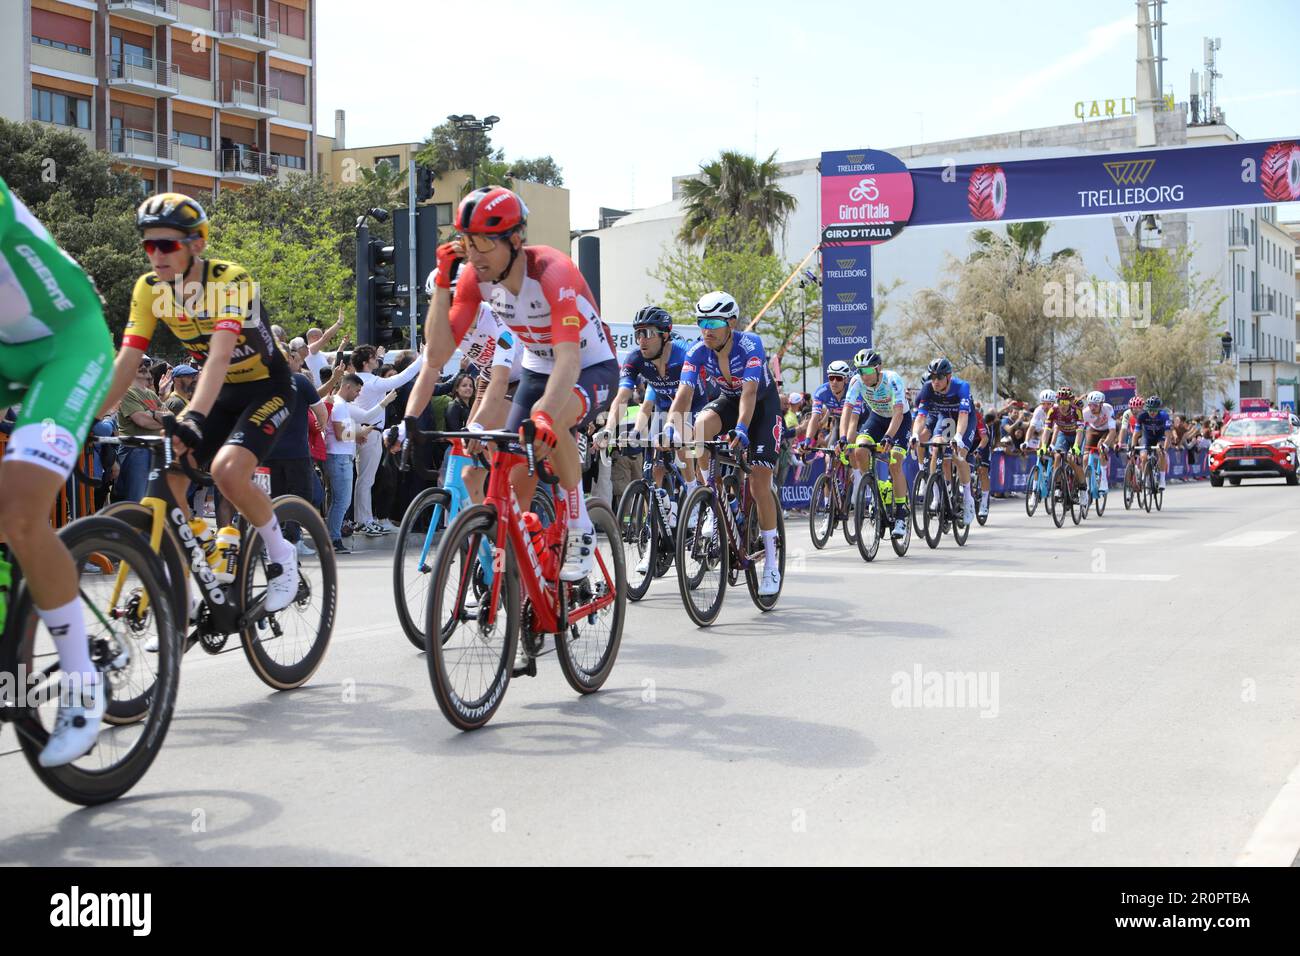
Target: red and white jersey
554, 305
1103, 421
490, 344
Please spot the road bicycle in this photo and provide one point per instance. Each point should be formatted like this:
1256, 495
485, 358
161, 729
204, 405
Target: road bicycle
1038, 488
943, 500
873, 508
1152, 493
284, 647
477, 615
718, 537
647, 521
1133, 489
1064, 497
125, 598
1096, 498
831, 502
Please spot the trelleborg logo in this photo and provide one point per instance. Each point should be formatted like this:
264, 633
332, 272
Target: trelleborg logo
846, 263
855, 157
846, 329
1130, 172
846, 296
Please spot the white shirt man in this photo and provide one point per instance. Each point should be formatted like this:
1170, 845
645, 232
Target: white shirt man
373, 390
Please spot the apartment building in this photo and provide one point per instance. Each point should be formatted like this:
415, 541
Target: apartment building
194, 96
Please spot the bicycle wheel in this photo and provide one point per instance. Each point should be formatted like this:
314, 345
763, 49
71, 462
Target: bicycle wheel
1129, 480
637, 538
754, 547
1101, 498
471, 666
117, 631
868, 518
960, 530
1058, 500
821, 511
586, 649
413, 561
844, 507
918, 501
1157, 493
1072, 501
702, 556
1032, 498
175, 561
934, 508
1148, 486
285, 648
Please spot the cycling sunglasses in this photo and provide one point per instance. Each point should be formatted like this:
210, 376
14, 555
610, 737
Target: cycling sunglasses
834, 378
644, 332
165, 246
712, 323
864, 369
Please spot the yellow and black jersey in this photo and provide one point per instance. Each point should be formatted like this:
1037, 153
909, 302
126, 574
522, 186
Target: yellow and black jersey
225, 300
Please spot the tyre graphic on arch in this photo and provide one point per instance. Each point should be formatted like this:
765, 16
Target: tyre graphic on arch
986, 194
1279, 172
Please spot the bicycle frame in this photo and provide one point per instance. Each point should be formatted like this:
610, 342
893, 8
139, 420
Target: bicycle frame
724, 458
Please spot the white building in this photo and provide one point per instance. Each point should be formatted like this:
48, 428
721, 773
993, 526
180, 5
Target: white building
1256, 273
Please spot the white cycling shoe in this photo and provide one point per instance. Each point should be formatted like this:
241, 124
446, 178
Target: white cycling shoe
579, 555
77, 725
900, 529
644, 565
770, 583
283, 587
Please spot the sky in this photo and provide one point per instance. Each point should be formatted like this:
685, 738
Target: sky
626, 96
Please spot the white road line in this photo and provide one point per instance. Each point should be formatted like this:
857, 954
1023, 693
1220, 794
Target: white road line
1276, 840
1153, 536
1251, 539
1033, 575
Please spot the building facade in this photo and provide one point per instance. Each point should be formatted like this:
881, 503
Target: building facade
193, 96
1241, 250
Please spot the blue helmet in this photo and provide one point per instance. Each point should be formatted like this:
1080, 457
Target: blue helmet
655, 317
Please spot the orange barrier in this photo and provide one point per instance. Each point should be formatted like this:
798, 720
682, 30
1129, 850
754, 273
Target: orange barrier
77, 498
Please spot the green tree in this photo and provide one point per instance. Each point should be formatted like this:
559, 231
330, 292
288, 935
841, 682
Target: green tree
447, 148
731, 193
391, 183
542, 169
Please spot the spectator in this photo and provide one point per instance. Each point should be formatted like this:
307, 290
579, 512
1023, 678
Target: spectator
278, 332
317, 342
369, 454
348, 427
183, 379
290, 457
105, 467
139, 414
157, 372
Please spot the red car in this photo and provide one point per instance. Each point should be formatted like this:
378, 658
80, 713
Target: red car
1256, 445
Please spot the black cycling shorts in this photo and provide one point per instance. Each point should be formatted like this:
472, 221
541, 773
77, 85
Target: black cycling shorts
250, 415
764, 428
595, 386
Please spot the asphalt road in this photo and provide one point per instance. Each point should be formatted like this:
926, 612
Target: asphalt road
1127, 692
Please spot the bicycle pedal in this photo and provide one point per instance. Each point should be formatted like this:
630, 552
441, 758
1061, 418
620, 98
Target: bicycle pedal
528, 671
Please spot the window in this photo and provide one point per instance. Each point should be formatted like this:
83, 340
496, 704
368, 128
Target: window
63, 109
292, 162
61, 32
293, 22
131, 48
287, 151
393, 161
292, 86
197, 64
194, 140
192, 131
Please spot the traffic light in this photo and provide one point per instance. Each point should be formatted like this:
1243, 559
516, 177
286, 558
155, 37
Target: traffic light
423, 183
377, 302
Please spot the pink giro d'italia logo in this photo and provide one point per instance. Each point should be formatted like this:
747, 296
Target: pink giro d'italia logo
1279, 172
987, 192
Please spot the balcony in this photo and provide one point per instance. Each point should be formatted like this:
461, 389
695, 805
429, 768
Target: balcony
245, 98
140, 147
248, 31
156, 13
245, 165
1262, 303
198, 88
1238, 239
146, 76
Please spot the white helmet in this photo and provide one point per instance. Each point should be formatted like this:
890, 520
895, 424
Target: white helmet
839, 367
796, 398
1047, 395
716, 305
1095, 398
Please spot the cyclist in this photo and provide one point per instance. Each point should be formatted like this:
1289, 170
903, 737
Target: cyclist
1128, 424
747, 403
944, 405
1100, 431
569, 369
44, 296
1154, 425
882, 392
1034, 434
245, 392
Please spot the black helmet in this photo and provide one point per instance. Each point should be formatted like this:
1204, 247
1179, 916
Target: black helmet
940, 367
1152, 403
868, 358
654, 316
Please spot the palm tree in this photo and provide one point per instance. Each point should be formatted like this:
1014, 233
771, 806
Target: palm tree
1026, 238
391, 180
735, 189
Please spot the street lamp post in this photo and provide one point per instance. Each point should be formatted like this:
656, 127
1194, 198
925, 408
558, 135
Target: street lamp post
469, 123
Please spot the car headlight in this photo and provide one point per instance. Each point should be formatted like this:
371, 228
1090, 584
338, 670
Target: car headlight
1217, 447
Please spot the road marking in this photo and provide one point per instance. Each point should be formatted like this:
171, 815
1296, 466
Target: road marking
1276, 840
1031, 575
1154, 536
1251, 539
1073, 532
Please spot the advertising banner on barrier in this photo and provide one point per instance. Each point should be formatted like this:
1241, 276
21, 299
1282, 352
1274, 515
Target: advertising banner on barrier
846, 301
1118, 390
1149, 180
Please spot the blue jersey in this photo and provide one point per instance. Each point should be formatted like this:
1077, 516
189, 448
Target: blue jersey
949, 404
663, 387
746, 363
1154, 426
824, 400
881, 397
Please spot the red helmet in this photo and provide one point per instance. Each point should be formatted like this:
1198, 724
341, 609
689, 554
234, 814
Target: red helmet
1135, 403
493, 210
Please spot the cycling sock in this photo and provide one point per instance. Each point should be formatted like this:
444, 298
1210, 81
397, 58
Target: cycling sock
278, 549
67, 625
578, 517
900, 511
965, 491
984, 498
769, 548
690, 486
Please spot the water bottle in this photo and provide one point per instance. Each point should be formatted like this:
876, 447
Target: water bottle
536, 533
664, 505
225, 558
202, 532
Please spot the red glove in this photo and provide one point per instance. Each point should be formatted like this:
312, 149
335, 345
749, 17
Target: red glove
545, 429
449, 253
